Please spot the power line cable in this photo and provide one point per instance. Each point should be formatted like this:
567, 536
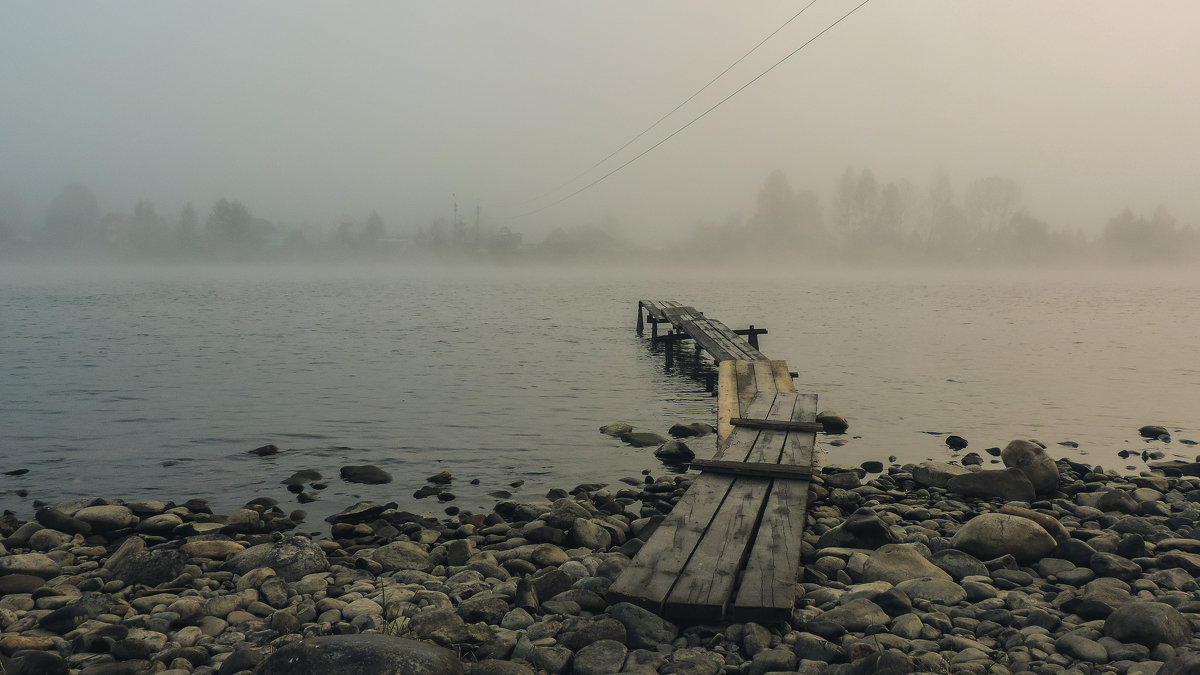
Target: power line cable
698, 117
660, 120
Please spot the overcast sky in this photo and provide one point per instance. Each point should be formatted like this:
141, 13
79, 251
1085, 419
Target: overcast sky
311, 112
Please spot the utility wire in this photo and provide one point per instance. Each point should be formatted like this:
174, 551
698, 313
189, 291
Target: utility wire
659, 121
698, 117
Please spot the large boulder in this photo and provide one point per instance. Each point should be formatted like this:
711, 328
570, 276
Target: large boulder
643, 628
856, 615
991, 535
364, 653
1007, 484
1031, 459
894, 563
936, 474
402, 555
1148, 623
106, 517
291, 558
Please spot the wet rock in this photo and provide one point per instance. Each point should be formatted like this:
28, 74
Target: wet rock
956, 442
1154, 431
107, 517
265, 450
32, 564
366, 473
691, 429
857, 615
57, 520
894, 563
958, 564
1049, 523
291, 557
642, 439
366, 653
862, 529
833, 422
600, 658
937, 591
1148, 623
616, 429
675, 451
1007, 484
843, 480
1117, 499
1031, 459
936, 474
644, 629
991, 535
402, 555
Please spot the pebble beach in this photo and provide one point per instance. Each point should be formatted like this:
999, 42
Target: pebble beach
1030, 565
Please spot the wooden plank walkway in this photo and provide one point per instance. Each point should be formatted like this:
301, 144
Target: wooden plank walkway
720, 341
730, 548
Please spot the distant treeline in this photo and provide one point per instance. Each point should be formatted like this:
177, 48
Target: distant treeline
866, 222
869, 221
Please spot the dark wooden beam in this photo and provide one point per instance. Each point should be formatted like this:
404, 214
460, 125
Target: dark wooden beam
776, 425
755, 469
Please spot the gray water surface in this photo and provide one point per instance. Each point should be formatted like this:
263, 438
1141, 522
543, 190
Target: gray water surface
155, 383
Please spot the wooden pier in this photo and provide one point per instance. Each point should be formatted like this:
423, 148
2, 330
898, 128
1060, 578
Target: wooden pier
730, 548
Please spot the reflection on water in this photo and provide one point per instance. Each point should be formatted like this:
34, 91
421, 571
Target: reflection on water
157, 384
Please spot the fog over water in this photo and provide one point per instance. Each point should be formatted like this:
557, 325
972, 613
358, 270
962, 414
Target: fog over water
312, 113
156, 382
414, 234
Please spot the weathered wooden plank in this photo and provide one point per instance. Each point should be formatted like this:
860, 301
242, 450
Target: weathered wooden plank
776, 425
747, 388
727, 400
755, 469
767, 588
720, 348
783, 377
706, 583
655, 569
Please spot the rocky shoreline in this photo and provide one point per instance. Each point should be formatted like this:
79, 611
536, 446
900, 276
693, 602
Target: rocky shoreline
1041, 567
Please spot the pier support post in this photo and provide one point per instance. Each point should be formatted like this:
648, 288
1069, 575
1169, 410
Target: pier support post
639, 323
653, 327
752, 338
669, 348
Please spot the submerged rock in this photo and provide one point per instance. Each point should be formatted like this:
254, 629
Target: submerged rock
642, 439
366, 473
616, 428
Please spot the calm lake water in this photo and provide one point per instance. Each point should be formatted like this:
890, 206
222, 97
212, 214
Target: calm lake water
155, 383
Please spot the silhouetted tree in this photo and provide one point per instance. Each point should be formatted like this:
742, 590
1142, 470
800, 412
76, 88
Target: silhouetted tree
784, 216
73, 218
990, 203
230, 226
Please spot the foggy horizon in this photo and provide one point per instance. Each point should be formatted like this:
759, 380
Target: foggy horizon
316, 115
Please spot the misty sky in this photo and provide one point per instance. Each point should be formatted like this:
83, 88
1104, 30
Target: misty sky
311, 112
